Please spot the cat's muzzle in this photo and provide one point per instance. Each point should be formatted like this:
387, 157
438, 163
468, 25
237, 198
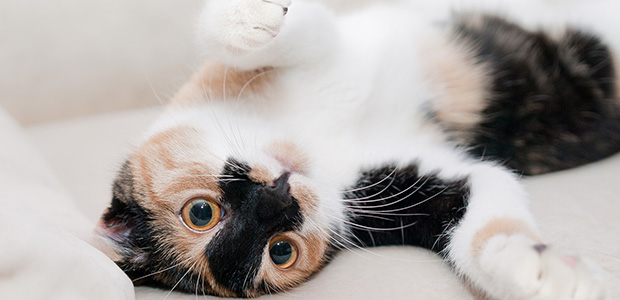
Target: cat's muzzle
275, 197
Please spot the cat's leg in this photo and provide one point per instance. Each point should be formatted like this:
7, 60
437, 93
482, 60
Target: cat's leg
251, 34
476, 215
498, 248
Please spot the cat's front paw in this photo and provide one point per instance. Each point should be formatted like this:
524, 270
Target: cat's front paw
243, 25
522, 269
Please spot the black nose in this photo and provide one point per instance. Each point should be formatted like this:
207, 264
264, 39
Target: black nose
274, 197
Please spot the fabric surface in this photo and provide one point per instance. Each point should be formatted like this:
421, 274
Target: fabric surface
577, 211
41, 256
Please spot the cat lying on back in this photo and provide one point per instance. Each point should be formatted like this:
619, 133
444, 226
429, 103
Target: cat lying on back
304, 133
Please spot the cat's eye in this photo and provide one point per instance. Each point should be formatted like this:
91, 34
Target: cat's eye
283, 252
201, 214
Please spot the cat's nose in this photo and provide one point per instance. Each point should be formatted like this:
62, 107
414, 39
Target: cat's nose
275, 197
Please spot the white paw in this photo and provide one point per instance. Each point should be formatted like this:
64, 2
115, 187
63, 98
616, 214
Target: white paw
522, 269
243, 25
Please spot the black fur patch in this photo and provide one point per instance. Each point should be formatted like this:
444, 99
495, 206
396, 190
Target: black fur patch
554, 100
399, 206
236, 252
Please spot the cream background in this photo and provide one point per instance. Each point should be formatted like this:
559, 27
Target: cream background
68, 58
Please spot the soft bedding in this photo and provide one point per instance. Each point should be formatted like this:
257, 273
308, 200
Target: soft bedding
43, 248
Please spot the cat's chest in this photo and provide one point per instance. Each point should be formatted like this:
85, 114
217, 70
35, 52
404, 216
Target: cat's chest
350, 118
364, 103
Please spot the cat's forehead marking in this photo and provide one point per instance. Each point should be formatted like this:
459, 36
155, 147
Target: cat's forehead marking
289, 154
216, 81
262, 174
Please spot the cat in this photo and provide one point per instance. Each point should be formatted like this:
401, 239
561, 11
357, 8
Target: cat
305, 133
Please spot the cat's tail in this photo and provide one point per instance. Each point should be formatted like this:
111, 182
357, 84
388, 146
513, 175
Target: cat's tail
554, 99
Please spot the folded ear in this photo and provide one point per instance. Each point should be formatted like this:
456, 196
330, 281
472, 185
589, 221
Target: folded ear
124, 222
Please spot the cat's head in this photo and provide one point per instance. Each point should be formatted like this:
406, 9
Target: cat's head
210, 204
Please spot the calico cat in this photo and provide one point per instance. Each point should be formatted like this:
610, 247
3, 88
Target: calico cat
305, 133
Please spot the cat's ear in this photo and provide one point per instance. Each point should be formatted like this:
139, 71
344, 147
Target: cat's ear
123, 220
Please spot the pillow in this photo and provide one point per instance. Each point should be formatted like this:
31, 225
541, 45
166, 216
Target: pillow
44, 252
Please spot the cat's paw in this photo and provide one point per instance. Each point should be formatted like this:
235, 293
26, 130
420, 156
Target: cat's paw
522, 269
243, 25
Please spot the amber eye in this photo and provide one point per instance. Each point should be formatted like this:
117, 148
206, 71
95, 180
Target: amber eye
201, 214
283, 252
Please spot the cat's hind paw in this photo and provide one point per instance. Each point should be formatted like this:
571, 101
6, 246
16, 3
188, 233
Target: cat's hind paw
523, 269
243, 25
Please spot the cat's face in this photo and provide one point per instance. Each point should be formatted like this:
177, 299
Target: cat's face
221, 208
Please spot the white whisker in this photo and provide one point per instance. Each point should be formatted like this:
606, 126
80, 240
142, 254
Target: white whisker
396, 195
182, 277
160, 271
371, 185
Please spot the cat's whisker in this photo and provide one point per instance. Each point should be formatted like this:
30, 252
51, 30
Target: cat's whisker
245, 280
448, 228
178, 282
198, 281
413, 205
366, 250
249, 82
210, 176
342, 239
148, 80
160, 271
218, 123
377, 229
238, 100
368, 227
373, 217
203, 287
397, 195
231, 180
371, 185
234, 142
370, 212
369, 198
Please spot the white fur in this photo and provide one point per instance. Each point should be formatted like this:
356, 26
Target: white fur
350, 90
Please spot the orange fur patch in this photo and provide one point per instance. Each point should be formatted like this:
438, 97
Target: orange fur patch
289, 155
501, 226
306, 198
460, 85
261, 174
216, 81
